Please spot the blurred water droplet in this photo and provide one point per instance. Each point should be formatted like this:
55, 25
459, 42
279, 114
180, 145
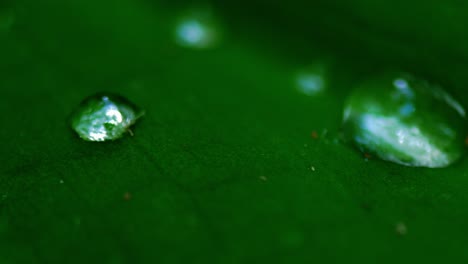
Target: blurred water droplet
198, 29
311, 81
405, 120
103, 117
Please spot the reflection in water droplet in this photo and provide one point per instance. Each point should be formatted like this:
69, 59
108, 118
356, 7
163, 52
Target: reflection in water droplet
405, 120
311, 81
198, 29
104, 117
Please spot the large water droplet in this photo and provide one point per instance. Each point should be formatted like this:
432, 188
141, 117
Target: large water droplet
198, 29
103, 117
405, 120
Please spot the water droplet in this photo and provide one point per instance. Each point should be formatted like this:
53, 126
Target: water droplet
311, 81
405, 120
103, 117
198, 29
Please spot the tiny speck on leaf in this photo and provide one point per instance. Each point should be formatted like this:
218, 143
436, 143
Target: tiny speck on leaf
127, 196
263, 178
367, 156
367, 207
401, 229
314, 134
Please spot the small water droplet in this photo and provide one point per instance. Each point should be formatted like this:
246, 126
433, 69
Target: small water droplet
198, 29
311, 81
103, 117
405, 120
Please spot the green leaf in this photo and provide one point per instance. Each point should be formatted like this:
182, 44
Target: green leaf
223, 168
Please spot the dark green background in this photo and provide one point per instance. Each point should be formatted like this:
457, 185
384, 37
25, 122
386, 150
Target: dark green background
219, 170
